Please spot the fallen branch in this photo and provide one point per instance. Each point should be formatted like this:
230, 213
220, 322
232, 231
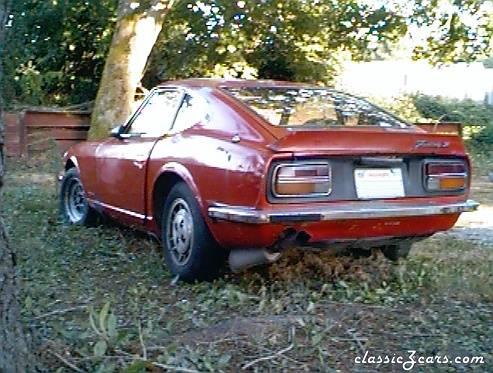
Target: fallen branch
59, 312
141, 339
223, 340
277, 354
66, 362
159, 365
357, 340
351, 304
173, 368
271, 352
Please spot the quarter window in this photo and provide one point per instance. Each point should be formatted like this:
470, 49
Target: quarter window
193, 110
156, 117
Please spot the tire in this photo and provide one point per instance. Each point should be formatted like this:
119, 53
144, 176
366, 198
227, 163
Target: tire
396, 252
74, 208
358, 253
190, 250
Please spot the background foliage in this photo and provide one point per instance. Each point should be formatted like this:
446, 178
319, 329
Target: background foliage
291, 40
476, 117
56, 49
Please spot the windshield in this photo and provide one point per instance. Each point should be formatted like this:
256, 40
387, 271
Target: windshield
312, 107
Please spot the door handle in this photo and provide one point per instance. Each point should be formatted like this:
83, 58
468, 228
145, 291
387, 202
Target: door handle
139, 164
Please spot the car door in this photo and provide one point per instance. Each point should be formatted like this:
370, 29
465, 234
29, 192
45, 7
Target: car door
122, 160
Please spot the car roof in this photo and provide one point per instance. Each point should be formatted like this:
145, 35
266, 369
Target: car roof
232, 83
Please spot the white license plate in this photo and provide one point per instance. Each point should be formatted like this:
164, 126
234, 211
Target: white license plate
378, 182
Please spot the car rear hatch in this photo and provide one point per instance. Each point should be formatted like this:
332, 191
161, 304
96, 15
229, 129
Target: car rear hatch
371, 163
364, 141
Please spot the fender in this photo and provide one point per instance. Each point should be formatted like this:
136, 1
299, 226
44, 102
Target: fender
181, 171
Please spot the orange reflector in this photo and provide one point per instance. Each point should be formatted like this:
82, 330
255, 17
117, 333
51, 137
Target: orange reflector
452, 183
295, 189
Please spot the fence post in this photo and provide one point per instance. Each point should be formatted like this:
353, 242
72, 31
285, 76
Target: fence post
22, 134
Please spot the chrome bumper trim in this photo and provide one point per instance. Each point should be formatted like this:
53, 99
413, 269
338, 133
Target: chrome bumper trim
351, 210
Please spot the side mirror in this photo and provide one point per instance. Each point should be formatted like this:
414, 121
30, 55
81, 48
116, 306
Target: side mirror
116, 132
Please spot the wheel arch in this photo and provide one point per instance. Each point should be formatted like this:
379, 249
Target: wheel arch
71, 162
168, 176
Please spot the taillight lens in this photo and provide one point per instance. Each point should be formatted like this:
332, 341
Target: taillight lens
446, 176
302, 180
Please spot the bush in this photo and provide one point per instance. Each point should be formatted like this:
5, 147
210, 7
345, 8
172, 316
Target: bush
476, 117
466, 111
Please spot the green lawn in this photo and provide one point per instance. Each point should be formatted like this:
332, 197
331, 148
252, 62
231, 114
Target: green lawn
100, 299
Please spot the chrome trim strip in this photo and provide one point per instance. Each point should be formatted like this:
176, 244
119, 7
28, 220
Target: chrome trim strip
352, 210
457, 175
120, 210
303, 180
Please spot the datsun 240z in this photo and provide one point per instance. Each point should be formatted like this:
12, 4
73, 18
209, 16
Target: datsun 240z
250, 168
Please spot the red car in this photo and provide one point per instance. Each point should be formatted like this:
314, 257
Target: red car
250, 168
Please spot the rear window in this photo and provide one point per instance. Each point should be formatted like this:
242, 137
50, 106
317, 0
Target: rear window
312, 107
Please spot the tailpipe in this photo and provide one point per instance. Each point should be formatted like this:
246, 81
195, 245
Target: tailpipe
241, 259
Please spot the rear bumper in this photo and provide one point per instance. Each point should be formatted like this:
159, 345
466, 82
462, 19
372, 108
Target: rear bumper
350, 211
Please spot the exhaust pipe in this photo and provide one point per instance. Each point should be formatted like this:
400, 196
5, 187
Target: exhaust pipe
241, 259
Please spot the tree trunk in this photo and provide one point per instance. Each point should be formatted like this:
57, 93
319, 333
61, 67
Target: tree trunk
14, 352
137, 28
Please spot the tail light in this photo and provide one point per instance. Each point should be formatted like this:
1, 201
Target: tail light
302, 180
446, 176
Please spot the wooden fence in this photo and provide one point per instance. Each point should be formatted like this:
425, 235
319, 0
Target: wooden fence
33, 131
30, 132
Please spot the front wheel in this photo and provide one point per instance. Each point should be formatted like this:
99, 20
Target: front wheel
74, 207
189, 248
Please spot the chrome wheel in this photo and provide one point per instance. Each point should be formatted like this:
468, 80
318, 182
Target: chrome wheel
75, 201
179, 231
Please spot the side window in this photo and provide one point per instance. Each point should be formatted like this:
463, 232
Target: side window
193, 110
157, 115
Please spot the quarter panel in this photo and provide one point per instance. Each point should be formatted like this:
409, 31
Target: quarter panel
216, 170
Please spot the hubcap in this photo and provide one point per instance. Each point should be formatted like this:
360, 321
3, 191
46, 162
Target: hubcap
75, 201
179, 231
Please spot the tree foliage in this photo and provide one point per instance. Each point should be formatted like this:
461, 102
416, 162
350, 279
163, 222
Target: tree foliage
455, 30
293, 40
57, 48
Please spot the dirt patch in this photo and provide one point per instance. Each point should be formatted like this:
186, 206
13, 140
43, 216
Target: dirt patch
256, 328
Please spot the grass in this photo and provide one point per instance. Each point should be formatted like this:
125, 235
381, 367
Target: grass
100, 300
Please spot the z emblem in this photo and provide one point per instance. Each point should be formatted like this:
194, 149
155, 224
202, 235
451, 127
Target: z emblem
431, 144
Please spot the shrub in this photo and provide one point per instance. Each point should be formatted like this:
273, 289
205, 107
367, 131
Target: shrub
467, 111
476, 117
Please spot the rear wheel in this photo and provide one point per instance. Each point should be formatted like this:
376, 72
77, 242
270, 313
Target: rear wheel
189, 248
74, 207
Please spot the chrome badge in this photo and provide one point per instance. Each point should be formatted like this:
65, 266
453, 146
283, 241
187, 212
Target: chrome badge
431, 144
